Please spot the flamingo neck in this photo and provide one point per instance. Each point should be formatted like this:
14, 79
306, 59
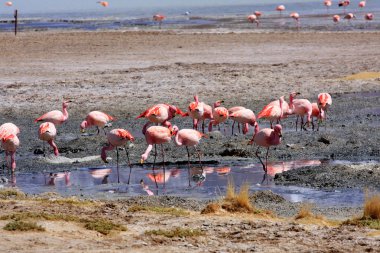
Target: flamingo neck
65, 112
54, 146
177, 141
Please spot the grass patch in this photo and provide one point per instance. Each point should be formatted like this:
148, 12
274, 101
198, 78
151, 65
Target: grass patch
237, 202
176, 232
10, 193
304, 212
363, 76
211, 208
161, 210
72, 201
104, 226
18, 225
42, 215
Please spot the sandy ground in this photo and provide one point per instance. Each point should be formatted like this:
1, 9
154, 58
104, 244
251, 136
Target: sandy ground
122, 73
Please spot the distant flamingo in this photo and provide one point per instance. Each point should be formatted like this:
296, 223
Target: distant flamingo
8, 4
344, 3
258, 14
316, 113
296, 18
245, 117
47, 132
362, 4
328, 4
56, 117
300, 107
253, 19
219, 115
103, 3
188, 138
160, 114
116, 138
336, 18
232, 110
10, 142
98, 119
159, 18
199, 111
349, 16
368, 16
266, 137
156, 135
273, 111
280, 8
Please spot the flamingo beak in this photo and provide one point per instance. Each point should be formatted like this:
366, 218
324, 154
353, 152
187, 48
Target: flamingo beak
280, 135
142, 161
82, 131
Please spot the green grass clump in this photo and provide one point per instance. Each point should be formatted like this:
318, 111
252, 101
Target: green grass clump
161, 210
10, 193
18, 225
104, 226
176, 232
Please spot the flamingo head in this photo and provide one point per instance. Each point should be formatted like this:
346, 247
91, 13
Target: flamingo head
278, 130
174, 130
83, 125
66, 103
218, 103
294, 94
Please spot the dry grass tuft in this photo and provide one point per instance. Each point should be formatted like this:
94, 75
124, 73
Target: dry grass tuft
237, 202
372, 207
18, 225
363, 76
211, 208
176, 232
104, 226
230, 192
162, 210
305, 212
72, 201
11, 193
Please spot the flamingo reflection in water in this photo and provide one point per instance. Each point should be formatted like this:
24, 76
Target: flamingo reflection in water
53, 177
103, 174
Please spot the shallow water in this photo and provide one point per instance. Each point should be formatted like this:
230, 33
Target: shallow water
102, 182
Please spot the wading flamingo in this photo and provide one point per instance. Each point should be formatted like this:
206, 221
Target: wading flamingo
344, 4
266, 137
316, 113
157, 135
160, 114
245, 117
349, 16
188, 138
116, 138
47, 132
328, 4
199, 111
8, 4
296, 17
103, 3
361, 4
219, 115
336, 18
280, 8
10, 142
253, 19
159, 18
232, 110
56, 117
368, 16
98, 119
300, 107
324, 103
273, 111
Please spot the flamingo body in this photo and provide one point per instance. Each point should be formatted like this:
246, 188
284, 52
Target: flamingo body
336, 18
56, 117
48, 132
368, 16
10, 143
8, 129
188, 137
116, 138
362, 4
244, 116
96, 118
324, 101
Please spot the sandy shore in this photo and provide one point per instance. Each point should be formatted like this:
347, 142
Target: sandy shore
122, 73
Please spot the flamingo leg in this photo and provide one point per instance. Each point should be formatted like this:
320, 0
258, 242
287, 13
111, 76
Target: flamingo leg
163, 161
188, 164
154, 163
239, 128
117, 165
233, 125
297, 122
203, 126
266, 161
97, 130
325, 120
261, 161
129, 163
43, 148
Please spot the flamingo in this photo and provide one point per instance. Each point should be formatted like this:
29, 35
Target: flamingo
258, 14
47, 132
232, 110
316, 113
8, 129
246, 117
98, 119
300, 107
273, 111
156, 135
336, 18
296, 17
10, 142
56, 117
327, 3
188, 138
368, 16
280, 8
349, 16
362, 4
219, 115
116, 138
199, 111
103, 3
266, 137
160, 114
344, 3
253, 19
9, 4
324, 103
159, 18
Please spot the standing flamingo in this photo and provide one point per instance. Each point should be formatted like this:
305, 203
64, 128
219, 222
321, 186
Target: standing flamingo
232, 110
219, 115
316, 113
349, 16
273, 111
245, 117
116, 138
296, 17
336, 18
188, 138
199, 111
368, 16
156, 135
98, 119
160, 114
10, 142
280, 8
300, 107
56, 117
324, 103
9, 4
328, 4
362, 4
8, 129
344, 3
266, 137
47, 132
253, 19
159, 18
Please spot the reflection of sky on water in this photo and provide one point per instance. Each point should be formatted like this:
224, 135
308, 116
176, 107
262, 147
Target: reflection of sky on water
207, 183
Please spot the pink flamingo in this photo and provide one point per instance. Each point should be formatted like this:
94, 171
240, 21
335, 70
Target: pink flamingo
296, 17
160, 114
280, 8
232, 110
344, 3
8, 129
368, 16
316, 113
273, 111
328, 4
98, 119
116, 138
219, 115
157, 135
324, 103
245, 117
9, 4
336, 18
159, 18
258, 14
300, 107
56, 117
188, 138
349, 16
266, 137
47, 132
362, 4
10, 143
103, 3
199, 111
253, 19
